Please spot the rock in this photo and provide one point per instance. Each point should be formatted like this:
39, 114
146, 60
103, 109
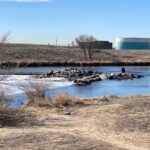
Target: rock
103, 77
112, 77
51, 73
90, 72
81, 84
115, 77
123, 76
120, 74
40, 76
126, 77
133, 75
67, 113
84, 77
83, 81
97, 79
140, 76
57, 74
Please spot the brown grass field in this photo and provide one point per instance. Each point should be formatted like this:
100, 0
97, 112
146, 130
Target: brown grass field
37, 55
106, 123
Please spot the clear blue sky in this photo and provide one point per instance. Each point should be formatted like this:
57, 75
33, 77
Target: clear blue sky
42, 22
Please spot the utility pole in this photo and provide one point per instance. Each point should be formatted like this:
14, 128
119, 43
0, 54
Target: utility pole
56, 43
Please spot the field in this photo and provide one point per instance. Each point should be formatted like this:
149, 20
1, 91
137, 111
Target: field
50, 55
108, 123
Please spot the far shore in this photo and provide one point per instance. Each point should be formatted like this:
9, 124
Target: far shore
23, 55
69, 64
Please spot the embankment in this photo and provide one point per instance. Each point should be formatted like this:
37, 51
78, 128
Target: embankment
47, 55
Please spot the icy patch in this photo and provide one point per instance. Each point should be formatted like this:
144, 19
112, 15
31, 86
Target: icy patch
11, 83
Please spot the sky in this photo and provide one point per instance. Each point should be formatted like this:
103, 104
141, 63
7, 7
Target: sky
42, 21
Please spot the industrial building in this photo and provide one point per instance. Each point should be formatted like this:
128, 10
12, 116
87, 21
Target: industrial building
99, 44
132, 43
102, 45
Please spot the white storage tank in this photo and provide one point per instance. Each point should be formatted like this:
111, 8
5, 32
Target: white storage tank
132, 43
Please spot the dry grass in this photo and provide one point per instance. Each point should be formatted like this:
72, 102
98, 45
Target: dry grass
134, 115
34, 90
37, 97
36, 93
63, 99
17, 118
11, 117
5, 101
58, 100
122, 123
37, 55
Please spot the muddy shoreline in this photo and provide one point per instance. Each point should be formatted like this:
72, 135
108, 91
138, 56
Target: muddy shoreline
76, 64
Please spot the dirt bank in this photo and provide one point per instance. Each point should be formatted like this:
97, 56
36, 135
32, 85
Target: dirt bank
112, 124
46, 55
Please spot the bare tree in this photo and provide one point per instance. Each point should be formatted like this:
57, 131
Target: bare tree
86, 43
4, 38
90, 46
81, 42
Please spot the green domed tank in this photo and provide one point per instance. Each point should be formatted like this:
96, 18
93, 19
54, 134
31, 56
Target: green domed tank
132, 43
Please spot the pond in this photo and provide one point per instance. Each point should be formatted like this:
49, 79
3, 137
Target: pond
100, 88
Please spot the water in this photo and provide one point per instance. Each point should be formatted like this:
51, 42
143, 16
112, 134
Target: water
117, 87
101, 88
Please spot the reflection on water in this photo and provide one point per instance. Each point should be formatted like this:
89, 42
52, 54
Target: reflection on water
37, 70
121, 88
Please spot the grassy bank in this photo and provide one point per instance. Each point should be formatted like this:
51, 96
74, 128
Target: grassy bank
106, 123
46, 55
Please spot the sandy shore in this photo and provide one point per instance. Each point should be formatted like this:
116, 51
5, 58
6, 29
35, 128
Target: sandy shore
110, 123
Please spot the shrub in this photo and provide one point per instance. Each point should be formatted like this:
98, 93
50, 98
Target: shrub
5, 101
62, 99
36, 93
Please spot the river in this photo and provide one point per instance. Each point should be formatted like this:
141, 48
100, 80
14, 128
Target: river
56, 85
